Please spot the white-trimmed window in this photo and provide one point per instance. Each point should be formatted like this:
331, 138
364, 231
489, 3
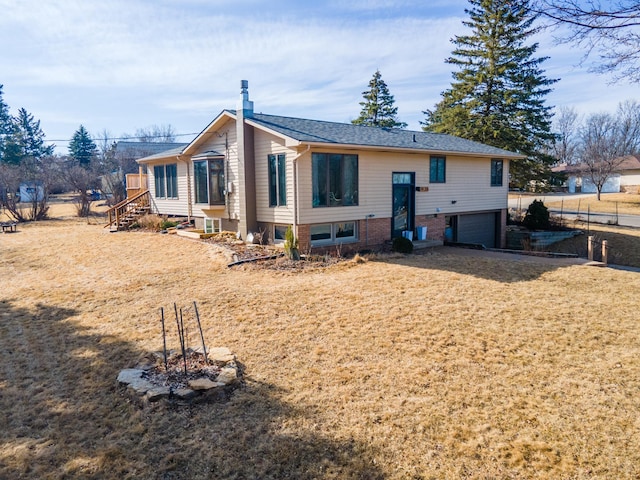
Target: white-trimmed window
208, 181
334, 178
496, 172
212, 225
277, 180
437, 169
280, 233
330, 233
165, 179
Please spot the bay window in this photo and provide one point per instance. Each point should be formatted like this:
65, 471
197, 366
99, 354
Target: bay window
209, 181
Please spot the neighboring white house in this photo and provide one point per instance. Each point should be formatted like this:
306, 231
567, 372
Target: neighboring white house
625, 179
333, 183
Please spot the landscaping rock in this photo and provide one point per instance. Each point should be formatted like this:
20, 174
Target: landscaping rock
220, 355
202, 384
158, 393
184, 393
133, 378
227, 376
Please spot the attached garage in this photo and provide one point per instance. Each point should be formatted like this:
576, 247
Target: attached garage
478, 228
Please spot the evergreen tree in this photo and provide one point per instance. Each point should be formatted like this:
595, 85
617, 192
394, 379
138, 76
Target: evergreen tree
82, 148
498, 93
377, 109
25, 140
6, 124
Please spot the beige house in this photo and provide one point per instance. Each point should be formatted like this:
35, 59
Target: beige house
337, 185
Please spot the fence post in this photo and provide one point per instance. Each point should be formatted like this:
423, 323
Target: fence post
590, 247
605, 252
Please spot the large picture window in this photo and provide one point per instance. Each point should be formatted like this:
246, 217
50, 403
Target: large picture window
496, 172
437, 170
208, 179
165, 178
277, 180
335, 179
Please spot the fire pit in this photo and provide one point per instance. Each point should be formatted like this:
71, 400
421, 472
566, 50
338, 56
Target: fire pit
213, 377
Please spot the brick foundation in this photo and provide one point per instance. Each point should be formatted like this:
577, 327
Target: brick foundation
373, 234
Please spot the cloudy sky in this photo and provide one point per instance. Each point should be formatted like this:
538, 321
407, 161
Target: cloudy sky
120, 65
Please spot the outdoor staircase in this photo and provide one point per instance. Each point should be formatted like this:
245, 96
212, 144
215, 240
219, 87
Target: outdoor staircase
127, 212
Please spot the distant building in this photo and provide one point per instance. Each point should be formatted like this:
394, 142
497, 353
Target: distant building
31, 192
626, 177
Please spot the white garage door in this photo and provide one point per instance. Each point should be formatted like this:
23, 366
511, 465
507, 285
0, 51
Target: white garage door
478, 228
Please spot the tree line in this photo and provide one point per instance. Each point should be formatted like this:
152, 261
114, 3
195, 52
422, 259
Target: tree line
93, 164
497, 97
499, 89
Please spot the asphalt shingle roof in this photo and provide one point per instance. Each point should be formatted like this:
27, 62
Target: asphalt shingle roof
318, 131
334, 133
149, 149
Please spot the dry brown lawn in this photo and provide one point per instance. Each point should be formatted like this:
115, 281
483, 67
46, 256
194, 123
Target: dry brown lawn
440, 365
623, 203
623, 243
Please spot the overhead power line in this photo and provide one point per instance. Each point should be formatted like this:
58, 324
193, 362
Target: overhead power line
128, 138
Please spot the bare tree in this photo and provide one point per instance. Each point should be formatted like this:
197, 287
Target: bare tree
565, 147
609, 28
36, 174
605, 140
156, 133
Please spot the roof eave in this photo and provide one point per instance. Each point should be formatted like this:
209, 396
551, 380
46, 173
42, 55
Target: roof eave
508, 155
208, 129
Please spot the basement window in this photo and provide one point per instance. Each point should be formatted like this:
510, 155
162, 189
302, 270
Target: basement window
331, 233
280, 233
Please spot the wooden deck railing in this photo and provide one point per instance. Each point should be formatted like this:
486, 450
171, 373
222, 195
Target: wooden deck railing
136, 183
129, 207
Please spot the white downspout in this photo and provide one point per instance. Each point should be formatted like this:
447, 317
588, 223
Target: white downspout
296, 209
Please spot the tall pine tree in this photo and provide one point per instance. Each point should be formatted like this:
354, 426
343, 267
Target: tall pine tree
82, 147
378, 107
6, 125
498, 93
26, 140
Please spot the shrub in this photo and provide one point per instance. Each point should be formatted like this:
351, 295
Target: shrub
402, 245
291, 244
150, 222
537, 216
167, 224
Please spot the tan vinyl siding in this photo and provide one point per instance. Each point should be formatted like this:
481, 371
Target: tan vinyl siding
224, 141
265, 145
171, 206
467, 182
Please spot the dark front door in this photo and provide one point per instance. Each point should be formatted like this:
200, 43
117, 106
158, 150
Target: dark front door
403, 203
